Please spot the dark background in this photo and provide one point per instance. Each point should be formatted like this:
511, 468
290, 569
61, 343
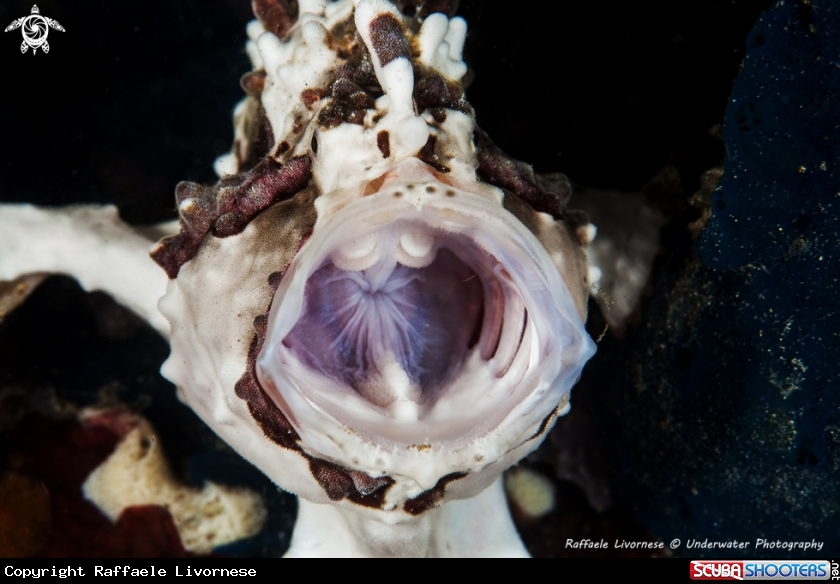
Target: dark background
136, 96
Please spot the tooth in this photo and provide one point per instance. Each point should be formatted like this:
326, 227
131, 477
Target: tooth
360, 247
416, 250
358, 254
417, 244
405, 410
404, 395
395, 376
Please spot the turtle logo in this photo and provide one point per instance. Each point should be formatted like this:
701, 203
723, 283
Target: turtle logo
35, 28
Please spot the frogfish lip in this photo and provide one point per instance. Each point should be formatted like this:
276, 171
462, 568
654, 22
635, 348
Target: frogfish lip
420, 316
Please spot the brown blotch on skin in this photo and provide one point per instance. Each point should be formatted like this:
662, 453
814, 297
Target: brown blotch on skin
438, 114
344, 90
576, 218
270, 419
336, 483
253, 83
227, 208
436, 94
433, 497
260, 141
545, 193
358, 69
310, 96
450, 193
367, 485
277, 16
376, 499
274, 279
342, 38
243, 201
348, 105
340, 483
282, 148
384, 143
428, 155
388, 39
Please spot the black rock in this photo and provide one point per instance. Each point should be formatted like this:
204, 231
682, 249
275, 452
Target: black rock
729, 427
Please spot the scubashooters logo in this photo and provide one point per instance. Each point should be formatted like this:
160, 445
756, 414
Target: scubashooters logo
797, 570
35, 29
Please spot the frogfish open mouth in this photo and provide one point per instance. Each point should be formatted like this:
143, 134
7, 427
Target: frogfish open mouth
420, 316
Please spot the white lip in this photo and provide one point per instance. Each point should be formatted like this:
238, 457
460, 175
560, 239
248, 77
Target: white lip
503, 396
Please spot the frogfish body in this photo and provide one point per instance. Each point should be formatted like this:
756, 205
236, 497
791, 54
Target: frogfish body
375, 305
387, 301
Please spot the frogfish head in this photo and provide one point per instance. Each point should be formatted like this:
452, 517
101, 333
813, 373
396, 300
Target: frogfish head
374, 305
